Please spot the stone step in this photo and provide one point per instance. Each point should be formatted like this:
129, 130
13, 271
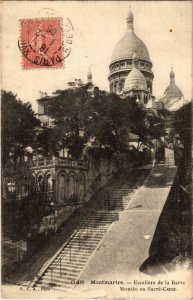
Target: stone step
104, 215
87, 241
120, 197
75, 259
62, 280
82, 246
84, 242
73, 268
76, 250
75, 254
118, 200
58, 278
91, 234
123, 190
95, 226
56, 274
95, 223
75, 264
114, 204
100, 221
120, 194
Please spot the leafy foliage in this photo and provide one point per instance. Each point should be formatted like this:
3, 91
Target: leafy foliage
27, 216
79, 117
19, 125
182, 121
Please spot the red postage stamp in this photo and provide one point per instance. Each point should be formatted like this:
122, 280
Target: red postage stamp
41, 43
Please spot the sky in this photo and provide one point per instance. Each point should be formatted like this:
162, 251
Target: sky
164, 26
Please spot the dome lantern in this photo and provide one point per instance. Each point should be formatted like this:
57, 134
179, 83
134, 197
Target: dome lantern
89, 77
172, 75
130, 19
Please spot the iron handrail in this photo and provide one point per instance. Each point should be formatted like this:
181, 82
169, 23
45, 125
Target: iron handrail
54, 264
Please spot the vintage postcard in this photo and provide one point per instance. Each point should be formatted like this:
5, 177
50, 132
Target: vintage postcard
96, 157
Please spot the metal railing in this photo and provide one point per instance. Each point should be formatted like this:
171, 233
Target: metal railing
73, 238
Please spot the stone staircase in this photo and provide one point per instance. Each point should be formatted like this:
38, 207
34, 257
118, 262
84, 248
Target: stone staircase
119, 199
65, 268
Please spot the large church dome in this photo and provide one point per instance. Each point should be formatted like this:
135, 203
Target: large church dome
121, 62
129, 45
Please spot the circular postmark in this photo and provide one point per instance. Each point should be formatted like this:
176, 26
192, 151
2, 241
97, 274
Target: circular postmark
45, 42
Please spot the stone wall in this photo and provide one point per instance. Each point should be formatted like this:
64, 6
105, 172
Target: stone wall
101, 169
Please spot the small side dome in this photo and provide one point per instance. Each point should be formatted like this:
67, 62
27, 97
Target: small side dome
135, 81
173, 91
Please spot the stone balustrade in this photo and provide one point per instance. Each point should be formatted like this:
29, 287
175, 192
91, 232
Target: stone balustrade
55, 161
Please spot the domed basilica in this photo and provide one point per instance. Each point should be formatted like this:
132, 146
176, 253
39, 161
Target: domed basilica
131, 72
121, 63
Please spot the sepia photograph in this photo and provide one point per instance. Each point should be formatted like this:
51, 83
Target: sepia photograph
96, 150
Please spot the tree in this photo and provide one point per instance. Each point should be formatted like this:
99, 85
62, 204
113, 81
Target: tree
67, 109
106, 117
154, 126
19, 125
112, 118
48, 141
182, 125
